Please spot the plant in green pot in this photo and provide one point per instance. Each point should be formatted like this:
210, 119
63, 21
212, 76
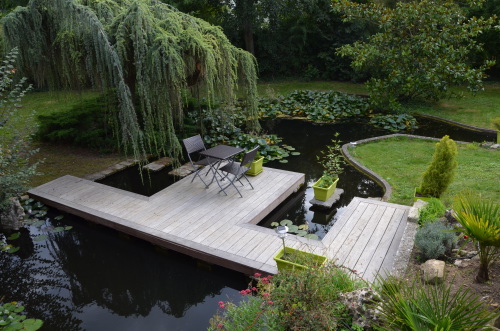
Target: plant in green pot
256, 166
440, 171
333, 162
289, 258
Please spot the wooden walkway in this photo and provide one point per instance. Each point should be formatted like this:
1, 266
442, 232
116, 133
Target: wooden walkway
222, 230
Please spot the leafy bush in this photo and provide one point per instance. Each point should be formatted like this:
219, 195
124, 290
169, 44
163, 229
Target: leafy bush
432, 211
410, 305
441, 170
394, 122
298, 300
332, 160
15, 136
315, 106
480, 220
433, 242
86, 124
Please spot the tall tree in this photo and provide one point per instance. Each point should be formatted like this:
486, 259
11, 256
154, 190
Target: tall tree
422, 48
148, 51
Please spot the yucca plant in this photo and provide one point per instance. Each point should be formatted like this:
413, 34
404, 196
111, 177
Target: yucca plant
410, 305
480, 220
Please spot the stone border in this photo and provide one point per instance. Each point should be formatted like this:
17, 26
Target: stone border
373, 175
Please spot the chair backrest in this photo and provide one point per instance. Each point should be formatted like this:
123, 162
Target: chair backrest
249, 156
194, 144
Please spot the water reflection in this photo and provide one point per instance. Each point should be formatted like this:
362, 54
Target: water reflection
89, 278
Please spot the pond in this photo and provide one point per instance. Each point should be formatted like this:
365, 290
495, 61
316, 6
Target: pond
92, 278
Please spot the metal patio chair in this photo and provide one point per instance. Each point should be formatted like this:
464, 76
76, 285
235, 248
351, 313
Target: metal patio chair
238, 171
193, 146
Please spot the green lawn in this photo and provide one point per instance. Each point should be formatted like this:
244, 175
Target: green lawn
402, 161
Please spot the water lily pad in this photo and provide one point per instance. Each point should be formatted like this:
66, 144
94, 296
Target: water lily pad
59, 217
295, 153
69, 227
41, 237
14, 236
58, 229
283, 161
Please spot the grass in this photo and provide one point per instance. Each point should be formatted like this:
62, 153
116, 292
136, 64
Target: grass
478, 168
477, 110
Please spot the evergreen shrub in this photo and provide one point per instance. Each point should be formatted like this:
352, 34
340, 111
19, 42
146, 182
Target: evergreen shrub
433, 242
441, 170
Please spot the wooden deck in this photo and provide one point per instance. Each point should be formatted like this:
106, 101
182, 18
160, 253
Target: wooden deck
220, 229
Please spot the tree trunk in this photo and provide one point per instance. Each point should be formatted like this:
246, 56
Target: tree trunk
248, 36
482, 273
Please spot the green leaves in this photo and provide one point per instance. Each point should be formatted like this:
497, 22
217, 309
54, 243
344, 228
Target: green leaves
12, 320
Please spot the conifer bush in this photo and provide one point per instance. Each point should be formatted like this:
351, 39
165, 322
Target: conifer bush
441, 170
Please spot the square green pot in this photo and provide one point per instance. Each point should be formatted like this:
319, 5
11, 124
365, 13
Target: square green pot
323, 194
415, 197
312, 259
256, 167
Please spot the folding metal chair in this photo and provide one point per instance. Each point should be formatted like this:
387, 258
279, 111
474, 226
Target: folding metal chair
193, 146
238, 170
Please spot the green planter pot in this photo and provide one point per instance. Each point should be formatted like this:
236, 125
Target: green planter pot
417, 192
324, 194
310, 258
256, 167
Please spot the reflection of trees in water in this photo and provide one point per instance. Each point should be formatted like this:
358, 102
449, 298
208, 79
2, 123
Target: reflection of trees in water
129, 277
32, 277
92, 265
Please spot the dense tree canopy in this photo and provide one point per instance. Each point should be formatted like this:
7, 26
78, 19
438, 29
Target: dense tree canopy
148, 51
422, 48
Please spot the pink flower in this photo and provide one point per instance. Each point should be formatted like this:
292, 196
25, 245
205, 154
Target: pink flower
221, 304
254, 289
248, 290
243, 292
220, 325
270, 302
266, 295
257, 275
265, 280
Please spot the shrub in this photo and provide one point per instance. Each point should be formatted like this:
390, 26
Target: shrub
480, 220
410, 305
85, 124
433, 242
298, 300
15, 136
432, 211
441, 170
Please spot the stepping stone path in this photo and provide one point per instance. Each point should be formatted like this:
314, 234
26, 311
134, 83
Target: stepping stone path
159, 164
328, 203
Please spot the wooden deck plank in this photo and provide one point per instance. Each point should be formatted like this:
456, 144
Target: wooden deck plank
221, 229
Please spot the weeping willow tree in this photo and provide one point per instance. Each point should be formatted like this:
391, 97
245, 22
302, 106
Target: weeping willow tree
147, 51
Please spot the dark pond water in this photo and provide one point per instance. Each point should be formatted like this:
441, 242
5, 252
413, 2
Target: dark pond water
90, 278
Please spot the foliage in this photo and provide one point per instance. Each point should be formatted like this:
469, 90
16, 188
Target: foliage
332, 160
480, 220
299, 230
394, 122
315, 106
420, 50
432, 211
410, 305
441, 170
298, 300
11, 318
433, 241
147, 51
85, 124
15, 151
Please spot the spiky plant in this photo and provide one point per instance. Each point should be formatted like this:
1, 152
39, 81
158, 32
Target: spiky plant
480, 220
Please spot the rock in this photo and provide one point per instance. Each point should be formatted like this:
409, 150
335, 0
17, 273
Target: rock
12, 219
458, 263
449, 214
433, 271
330, 202
360, 304
414, 212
